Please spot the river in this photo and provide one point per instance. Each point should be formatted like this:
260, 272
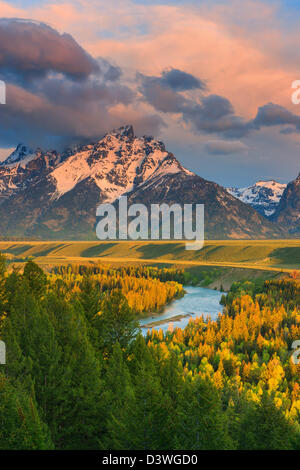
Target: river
196, 302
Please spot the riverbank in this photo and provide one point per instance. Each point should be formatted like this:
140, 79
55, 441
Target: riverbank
175, 319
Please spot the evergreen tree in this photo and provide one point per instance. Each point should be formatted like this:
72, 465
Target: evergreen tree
89, 297
20, 425
203, 424
263, 426
77, 410
37, 279
116, 322
53, 351
143, 424
117, 397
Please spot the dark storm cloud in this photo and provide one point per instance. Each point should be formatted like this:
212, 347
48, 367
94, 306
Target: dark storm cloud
213, 114
178, 80
214, 107
162, 92
166, 86
229, 125
160, 97
275, 115
208, 114
74, 94
29, 49
57, 94
38, 121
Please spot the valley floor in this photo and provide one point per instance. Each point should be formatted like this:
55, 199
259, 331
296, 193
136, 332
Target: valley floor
263, 255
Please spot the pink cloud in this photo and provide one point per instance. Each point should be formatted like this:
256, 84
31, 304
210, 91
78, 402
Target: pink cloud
243, 63
238, 48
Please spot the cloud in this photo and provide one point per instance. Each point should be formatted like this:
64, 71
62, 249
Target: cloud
275, 115
181, 81
215, 40
213, 114
161, 97
110, 72
39, 121
221, 147
65, 92
249, 65
57, 94
205, 114
31, 49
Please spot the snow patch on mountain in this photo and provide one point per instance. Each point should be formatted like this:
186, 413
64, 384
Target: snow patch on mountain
264, 196
20, 156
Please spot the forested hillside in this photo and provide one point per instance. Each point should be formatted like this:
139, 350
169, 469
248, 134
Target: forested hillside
78, 374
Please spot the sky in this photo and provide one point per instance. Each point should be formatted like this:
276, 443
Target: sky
212, 79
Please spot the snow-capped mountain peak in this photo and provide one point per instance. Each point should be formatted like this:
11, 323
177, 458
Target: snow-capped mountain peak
116, 163
272, 184
264, 196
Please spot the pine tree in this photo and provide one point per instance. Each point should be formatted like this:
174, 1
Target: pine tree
53, 351
89, 297
263, 426
203, 423
37, 279
20, 425
115, 323
117, 397
143, 424
77, 410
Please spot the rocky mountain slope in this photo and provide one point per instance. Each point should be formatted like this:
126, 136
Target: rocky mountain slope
263, 196
55, 196
288, 211
23, 168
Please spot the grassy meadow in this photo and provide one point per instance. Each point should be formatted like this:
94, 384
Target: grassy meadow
266, 255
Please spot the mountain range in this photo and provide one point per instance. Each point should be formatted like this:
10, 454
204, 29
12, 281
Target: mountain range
53, 195
263, 196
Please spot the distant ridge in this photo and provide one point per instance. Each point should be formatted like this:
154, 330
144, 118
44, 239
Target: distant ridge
263, 196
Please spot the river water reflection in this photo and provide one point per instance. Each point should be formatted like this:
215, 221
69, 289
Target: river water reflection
196, 302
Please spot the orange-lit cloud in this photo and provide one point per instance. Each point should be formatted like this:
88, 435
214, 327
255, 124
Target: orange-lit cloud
238, 48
